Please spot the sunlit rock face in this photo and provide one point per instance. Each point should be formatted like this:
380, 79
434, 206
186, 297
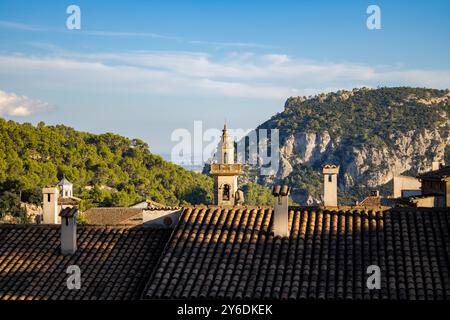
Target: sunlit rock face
368, 158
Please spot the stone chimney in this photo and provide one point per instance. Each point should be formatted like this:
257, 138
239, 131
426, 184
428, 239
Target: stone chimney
281, 210
68, 230
330, 173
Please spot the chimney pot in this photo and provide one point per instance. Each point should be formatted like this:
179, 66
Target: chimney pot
276, 190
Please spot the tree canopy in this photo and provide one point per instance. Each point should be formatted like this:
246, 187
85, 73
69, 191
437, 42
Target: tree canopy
106, 169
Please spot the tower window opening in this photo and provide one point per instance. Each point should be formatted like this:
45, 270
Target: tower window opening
330, 178
48, 197
226, 192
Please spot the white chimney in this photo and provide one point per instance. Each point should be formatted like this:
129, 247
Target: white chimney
50, 205
68, 230
281, 211
435, 165
330, 173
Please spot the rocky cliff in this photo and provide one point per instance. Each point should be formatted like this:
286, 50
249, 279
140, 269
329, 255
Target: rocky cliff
373, 134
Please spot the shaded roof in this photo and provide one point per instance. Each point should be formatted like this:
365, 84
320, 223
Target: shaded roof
115, 262
441, 173
230, 253
371, 201
69, 201
114, 216
152, 205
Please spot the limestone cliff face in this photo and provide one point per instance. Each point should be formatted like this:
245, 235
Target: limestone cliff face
369, 165
369, 153
304, 148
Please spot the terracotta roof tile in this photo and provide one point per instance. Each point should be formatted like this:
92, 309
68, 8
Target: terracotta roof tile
114, 216
230, 253
115, 262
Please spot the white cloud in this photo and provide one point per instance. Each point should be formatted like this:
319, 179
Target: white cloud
12, 104
18, 26
242, 75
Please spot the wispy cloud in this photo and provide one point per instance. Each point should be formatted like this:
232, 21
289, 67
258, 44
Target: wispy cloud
102, 33
18, 26
12, 104
130, 34
231, 44
241, 75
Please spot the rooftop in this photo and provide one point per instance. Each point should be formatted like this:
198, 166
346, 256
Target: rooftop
441, 173
230, 253
114, 216
115, 262
71, 201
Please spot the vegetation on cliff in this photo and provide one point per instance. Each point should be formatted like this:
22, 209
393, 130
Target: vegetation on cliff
368, 124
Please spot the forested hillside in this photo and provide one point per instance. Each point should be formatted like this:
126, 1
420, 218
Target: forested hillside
106, 169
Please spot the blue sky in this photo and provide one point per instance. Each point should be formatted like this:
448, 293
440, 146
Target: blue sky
143, 69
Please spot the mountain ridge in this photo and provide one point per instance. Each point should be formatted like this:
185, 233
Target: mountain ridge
373, 134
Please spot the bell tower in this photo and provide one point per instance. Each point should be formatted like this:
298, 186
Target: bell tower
225, 172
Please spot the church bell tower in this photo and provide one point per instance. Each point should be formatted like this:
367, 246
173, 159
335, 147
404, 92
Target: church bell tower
225, 172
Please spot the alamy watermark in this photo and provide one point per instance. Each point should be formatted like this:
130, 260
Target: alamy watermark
374, 279
74, 279
73, 21
254, 147
373, 22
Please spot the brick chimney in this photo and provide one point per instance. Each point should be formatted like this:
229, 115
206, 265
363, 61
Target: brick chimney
281, 210
68, 230
330, 173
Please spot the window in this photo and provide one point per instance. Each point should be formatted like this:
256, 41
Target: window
226, 192
330, 178
225, 157
48, 197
